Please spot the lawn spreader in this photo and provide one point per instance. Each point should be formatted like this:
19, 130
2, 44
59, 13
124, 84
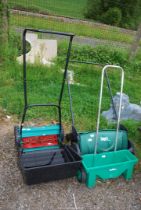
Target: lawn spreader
105, 153
42, 155
84, 142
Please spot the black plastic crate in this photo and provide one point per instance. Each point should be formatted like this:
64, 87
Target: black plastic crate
49, 165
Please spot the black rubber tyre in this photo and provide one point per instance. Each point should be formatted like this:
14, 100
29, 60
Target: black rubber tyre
17, 136
131, 147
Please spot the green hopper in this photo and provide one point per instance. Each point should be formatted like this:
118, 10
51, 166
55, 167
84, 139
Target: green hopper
107, 164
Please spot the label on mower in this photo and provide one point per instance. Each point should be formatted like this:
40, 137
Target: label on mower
104, 139
113, 169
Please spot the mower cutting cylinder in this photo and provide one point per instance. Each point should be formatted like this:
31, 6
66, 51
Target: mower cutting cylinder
106, 141
38, 138
40, 141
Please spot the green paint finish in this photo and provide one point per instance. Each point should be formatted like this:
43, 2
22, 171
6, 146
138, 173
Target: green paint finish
108, 166
41, 131
106, 141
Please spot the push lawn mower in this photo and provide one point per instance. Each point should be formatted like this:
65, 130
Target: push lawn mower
41, 154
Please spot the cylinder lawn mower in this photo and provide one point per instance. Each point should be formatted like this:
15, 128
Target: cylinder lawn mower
105, 153
41, 154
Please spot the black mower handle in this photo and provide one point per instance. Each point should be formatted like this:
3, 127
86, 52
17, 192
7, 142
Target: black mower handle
26, 105
47, 32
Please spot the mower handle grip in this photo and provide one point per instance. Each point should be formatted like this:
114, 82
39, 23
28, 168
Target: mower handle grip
104, 70
48, 32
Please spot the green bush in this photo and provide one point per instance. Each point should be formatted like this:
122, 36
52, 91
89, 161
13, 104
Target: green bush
93, 9
113, 16
125, 13
99, 54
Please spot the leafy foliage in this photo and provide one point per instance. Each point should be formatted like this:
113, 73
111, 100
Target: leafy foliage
99, 54
113, 16
125, 13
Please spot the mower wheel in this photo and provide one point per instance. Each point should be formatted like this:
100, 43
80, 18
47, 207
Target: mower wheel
16, 134
131, 147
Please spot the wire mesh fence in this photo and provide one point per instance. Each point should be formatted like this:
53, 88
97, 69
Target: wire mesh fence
92, 43
62, 15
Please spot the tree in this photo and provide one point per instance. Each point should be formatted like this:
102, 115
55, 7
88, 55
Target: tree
113, 16
124, 13
3, 29
93, 9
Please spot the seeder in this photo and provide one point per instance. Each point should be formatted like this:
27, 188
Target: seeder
105, 153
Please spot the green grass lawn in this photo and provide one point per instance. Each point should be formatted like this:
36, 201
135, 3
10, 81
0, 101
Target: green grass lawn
44, 86
73, 8
112, 34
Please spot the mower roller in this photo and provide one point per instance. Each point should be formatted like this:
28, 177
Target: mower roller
104, 160
42, 156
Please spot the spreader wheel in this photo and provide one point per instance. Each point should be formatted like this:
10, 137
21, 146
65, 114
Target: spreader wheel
81, 175
131, 147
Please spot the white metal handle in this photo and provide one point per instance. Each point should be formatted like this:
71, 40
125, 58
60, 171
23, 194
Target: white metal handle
100, 102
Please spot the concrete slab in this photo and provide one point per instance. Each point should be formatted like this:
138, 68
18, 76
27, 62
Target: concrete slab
43, 51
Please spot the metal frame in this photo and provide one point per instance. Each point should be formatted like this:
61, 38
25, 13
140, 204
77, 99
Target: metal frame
100, 102
107, 79
58, 106
74, 131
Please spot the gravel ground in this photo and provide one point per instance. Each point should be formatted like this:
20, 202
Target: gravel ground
66, 194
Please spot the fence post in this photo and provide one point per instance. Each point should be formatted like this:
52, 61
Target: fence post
3, 29
135, 45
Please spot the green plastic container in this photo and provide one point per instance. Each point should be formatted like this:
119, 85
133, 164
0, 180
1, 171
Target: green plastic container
106, 141
108, 165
